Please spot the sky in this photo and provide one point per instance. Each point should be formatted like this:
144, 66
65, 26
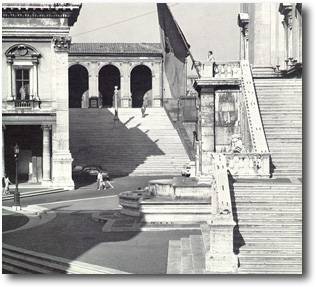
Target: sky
206, 26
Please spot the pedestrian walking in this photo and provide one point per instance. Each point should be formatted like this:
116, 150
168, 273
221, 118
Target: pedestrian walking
106, 181
99, 180
145, 104
6, 185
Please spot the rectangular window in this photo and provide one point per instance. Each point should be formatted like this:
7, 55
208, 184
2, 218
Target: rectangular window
22, 82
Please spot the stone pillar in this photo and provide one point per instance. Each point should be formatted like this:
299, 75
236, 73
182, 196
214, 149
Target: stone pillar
46, 154
3, 151
243, 23
207, 128
221, 258
125, 86
61, 157
93, 80
35, 73
156, 91
9, 90
286, 11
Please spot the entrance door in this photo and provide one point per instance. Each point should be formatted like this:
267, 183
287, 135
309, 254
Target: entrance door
29, 139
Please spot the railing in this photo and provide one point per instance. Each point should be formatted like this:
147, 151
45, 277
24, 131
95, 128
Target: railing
24, 104
220, 70
248, 165
258, 139
222, 200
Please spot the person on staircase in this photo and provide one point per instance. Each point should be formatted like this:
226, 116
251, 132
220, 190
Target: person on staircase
145, 104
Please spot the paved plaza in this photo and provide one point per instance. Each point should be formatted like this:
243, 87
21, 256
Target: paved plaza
77, 236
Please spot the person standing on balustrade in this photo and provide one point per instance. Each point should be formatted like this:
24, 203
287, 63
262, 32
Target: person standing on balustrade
211, 60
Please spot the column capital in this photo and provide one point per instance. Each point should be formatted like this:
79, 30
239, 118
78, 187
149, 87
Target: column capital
46, 127
61, 43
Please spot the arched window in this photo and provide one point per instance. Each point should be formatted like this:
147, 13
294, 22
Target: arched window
22, 60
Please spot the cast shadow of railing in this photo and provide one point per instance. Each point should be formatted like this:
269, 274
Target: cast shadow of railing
238, 238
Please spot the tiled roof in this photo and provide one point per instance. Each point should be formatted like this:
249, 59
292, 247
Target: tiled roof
116, 48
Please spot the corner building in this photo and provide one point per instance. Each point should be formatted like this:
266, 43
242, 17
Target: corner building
35, 46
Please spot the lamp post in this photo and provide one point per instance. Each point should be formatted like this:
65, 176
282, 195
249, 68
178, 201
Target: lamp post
115, 99
17, 203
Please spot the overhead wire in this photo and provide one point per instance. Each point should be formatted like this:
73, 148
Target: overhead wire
119, 22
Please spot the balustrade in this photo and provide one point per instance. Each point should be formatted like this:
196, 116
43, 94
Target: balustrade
15, 104
248, 165
220, 70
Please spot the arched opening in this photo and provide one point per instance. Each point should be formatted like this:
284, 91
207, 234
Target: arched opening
109, 77
141, 84
78, 84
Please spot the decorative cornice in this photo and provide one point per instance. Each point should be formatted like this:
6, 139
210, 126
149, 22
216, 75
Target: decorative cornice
62, 43
22, 10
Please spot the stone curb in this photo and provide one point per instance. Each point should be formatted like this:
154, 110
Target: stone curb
32, 193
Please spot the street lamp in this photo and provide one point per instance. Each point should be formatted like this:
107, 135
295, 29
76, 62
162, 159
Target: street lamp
17, 203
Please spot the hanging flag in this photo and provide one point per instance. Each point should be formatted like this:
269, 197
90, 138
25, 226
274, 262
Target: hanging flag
175, 50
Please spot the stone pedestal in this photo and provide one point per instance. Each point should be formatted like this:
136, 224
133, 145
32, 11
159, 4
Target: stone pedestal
220, 258
125, 102
156, 102
62, 170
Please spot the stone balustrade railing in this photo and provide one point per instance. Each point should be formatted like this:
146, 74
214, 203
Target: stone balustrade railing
220, 256
248, 165
221, 70
222, 205
258, 139
28, 105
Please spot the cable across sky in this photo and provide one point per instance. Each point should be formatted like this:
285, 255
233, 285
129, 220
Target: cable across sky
120, 22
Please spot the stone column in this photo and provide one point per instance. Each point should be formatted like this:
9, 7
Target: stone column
221, 257
61, 157
9, 90
125, 86
286, 11
35, 73
243, 23
93, 80
3, 151
46, 153
156, 91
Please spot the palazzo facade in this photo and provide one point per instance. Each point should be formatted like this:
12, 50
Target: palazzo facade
35, 46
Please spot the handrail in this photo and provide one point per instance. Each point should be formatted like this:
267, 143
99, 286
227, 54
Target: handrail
222, 190
258, 138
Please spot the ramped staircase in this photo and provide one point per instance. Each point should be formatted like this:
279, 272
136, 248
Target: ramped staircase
131, 146
268, 213
267, 239
280, 102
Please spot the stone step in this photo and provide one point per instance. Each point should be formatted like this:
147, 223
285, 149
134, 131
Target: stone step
198, 253
174, 257
246, 251
186, 257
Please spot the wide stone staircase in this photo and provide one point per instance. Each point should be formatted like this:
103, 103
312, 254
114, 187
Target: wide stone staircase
267, 238
280, 103
269, 220
133, 145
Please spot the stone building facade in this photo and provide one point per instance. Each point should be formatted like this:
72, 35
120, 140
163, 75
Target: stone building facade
271, 37
35, 46
135, 68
